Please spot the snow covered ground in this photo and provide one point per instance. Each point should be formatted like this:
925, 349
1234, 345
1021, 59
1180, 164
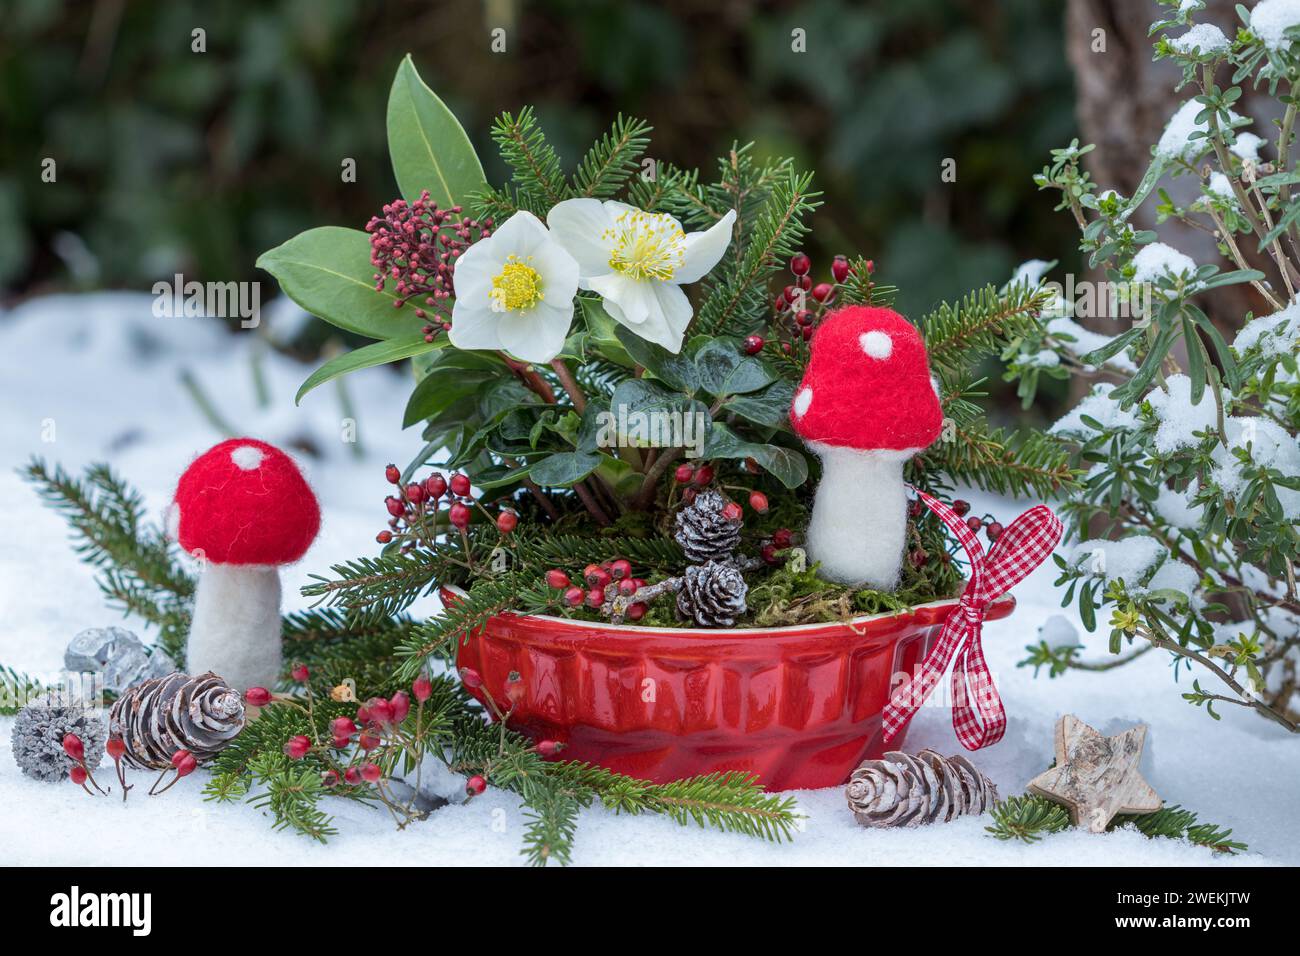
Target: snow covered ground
97, 377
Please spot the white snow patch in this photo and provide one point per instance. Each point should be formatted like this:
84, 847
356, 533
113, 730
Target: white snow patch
1205, 37
1277, 334
1176, 141
1099, 405
1179, 419
1044, 358
1157, 260
1246, 148
1175, 507
1059, 631
1270, 446
1220, 185
1173, 575
1129, 558
1086, 340
1270, 20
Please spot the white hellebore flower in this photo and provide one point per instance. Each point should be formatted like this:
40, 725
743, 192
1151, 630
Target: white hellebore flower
638, 262
514, 291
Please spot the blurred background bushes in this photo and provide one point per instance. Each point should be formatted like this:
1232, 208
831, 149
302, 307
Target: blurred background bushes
173, 161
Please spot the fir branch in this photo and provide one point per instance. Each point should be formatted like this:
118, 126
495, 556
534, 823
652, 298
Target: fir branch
1027, 818
994, 460
290, 795
439, 635
139, 571
858, 288
739, 294
379, 587
539, 553
731, 801
612, 158
495, 204
1177, 823
534, 166
106, 516
671, 190
552, 815
961, 336
1030, 817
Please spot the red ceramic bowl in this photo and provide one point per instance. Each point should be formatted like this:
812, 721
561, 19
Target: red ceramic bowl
799, 706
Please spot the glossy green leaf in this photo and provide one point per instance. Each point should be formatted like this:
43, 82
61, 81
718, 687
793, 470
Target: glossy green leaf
327, 271
427, 144
785, 464
725, 370
377, 353
675, 371
770, 407
602, 332
438, 390
564, 469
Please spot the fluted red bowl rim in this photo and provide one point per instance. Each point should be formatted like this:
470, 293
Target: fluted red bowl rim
853, 627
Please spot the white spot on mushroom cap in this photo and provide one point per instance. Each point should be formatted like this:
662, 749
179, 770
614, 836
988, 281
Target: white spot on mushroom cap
876, 344
803, 400
247, 457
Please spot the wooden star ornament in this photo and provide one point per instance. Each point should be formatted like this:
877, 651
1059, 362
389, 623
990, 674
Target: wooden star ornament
1097, 777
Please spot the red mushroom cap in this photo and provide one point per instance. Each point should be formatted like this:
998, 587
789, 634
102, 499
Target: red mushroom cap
245, 502
867, 384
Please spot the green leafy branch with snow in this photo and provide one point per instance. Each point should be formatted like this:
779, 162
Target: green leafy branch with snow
1189, 441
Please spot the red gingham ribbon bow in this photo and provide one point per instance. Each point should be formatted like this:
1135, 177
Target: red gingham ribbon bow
1021, 547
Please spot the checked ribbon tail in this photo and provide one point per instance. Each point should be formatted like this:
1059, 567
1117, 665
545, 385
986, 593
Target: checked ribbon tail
978, 716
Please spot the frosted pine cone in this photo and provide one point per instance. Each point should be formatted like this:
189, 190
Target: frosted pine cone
177, 712
900, 790
39, 731
703, 532
713, 594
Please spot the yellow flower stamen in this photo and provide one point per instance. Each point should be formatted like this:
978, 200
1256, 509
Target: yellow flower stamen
517, 287
646, 245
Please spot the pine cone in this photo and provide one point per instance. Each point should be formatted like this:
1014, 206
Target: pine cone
702, 531
900, 790
177, 712
713, 594
39, 731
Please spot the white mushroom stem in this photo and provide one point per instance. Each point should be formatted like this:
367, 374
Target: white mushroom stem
235, 632
859, 519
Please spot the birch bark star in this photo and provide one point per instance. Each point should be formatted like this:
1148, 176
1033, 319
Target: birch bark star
638, 261
514, 292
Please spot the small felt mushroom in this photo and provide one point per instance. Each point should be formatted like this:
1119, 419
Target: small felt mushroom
241, 509
865, 406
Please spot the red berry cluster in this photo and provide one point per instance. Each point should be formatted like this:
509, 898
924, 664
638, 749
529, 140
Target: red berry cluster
992, 527
381, 728
696, 477
183, 764
782, 540
598, 585
802, 303
415, 245
414, 511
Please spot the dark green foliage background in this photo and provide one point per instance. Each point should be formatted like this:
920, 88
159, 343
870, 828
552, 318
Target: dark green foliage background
171, 161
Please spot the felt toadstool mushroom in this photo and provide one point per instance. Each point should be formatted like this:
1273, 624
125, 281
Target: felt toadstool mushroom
866, 405
242, 508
